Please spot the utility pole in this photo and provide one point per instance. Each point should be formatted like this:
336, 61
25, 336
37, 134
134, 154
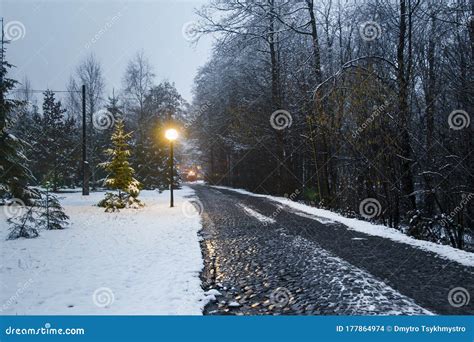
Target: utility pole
3, 38
85, 163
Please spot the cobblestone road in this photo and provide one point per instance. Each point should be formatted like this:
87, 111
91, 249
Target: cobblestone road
298, 265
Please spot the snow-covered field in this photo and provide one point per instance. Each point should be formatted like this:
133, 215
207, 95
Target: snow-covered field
325, 216
144, 261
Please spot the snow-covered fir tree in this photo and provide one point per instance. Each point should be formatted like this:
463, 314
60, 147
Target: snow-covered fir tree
23, 226
51, 214
14, 173
112, 113
121, 174
44, 213
54, 144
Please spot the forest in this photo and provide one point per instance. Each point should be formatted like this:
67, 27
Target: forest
48, 132
237, 158
360, 107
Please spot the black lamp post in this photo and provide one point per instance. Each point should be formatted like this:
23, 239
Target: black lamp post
171, 134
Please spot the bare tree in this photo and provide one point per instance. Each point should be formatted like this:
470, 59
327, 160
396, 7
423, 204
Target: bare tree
372, 89
137, 81
89, 73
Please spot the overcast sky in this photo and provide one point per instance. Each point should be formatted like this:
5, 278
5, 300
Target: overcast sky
56, 35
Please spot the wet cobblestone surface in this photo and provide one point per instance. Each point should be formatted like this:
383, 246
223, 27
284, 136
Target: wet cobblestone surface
299, 266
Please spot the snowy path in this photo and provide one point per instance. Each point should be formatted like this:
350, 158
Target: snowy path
143, 261
326, 216
321, 265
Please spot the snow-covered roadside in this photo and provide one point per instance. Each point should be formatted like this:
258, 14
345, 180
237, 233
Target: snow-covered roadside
447, 252
144, 261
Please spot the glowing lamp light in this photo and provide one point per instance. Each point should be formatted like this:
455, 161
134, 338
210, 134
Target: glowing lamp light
171, 134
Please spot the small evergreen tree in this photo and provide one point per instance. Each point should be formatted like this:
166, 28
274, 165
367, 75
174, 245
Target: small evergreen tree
24, 226
103, 137
121, 174
51, 215
45, 213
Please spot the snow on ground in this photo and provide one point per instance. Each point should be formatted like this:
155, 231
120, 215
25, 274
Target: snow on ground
447, 252
257, 215
144, 261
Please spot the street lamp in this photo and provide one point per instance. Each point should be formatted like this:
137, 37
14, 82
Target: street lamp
171, 134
